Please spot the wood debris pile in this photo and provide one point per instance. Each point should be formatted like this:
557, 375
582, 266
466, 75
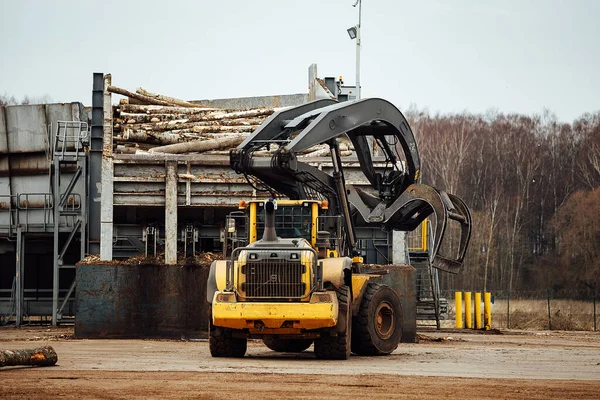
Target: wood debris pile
203, 259
146, 122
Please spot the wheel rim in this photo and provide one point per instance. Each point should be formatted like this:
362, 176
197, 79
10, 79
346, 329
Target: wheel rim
384, 320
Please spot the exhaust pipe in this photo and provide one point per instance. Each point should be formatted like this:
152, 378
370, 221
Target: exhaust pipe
270, 235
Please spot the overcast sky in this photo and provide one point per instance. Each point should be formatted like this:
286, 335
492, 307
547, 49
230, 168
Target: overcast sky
447, 56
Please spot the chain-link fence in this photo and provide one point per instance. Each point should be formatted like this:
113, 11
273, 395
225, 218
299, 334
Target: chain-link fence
569, 310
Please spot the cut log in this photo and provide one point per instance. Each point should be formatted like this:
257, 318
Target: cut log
242, 123
141, 118
132, 135
221, 128
41, 356
168, 99
153, 109
215, 116
318, 153
131, 95
200, 146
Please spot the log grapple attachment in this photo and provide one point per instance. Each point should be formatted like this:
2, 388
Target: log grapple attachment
395, 200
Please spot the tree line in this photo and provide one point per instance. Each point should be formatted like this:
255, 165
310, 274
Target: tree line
10, 100
533, 186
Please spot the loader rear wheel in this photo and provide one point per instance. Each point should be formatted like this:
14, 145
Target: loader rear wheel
335, 344
223, 344
378, 325
287, 345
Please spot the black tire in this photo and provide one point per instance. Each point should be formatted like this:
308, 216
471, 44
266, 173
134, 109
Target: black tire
287, 345
335, 344
377, 328
223, 344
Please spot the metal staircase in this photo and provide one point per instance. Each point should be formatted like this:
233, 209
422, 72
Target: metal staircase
429, 305
70, 206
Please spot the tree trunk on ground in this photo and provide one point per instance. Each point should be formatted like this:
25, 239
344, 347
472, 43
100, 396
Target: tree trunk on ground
199, 146
168, 99
41, 356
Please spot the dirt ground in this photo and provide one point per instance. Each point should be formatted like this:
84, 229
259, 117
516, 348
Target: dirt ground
448, 364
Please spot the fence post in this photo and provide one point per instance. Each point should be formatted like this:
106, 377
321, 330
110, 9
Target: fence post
458, 308
595, 328
549, 316
508, 309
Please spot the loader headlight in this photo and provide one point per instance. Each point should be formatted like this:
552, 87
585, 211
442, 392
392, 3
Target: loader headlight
253, 256
321, 298
294, 256
226, 297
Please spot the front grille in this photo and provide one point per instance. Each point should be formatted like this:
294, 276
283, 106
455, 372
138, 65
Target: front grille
273, 278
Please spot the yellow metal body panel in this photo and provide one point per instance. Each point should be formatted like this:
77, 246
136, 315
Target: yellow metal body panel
332, 253
252, 222
359, 284
273, 315
221, 274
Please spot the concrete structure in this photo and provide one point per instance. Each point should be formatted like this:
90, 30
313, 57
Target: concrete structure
43, 207
63, 192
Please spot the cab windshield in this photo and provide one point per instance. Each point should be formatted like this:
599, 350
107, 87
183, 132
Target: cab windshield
290, 221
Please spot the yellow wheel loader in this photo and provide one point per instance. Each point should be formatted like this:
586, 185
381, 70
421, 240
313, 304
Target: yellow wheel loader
302, 282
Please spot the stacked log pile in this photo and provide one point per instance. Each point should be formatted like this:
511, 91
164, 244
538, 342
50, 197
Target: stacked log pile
145, 122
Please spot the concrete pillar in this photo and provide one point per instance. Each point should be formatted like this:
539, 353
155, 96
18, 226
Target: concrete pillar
171, 213
399, 248
107, 175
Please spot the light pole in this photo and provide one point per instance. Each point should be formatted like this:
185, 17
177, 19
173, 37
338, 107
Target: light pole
354, 33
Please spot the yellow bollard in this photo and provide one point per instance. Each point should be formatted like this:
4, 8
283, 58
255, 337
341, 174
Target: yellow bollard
468, 311
477, 310
487, 310
458, 308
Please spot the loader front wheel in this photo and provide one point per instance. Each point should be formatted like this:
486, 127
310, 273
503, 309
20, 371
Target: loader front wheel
287, 345
378, 325
335, 344
223, 344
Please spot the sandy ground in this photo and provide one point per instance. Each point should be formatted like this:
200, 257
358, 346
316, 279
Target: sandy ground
449, 364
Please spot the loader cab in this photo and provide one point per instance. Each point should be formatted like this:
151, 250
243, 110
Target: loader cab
294, 219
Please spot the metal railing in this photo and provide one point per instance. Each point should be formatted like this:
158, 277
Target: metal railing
418, 239
8, 206
69, 139
27, 203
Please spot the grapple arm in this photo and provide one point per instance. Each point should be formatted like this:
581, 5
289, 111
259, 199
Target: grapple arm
400, 202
